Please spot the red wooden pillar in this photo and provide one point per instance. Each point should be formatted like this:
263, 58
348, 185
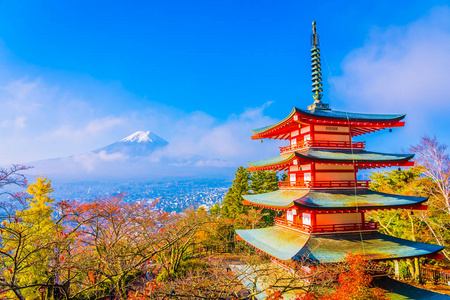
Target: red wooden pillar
313, 219
313, 173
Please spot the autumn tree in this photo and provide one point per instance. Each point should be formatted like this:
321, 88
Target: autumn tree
220, 279
429, 178
353, 282
115, 242
433, 156
175, 258
28, 242
12, 176
402, 223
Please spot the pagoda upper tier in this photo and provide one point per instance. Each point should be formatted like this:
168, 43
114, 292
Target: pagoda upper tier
327, 121
361, 159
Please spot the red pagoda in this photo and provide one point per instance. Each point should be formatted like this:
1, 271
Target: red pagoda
324, 203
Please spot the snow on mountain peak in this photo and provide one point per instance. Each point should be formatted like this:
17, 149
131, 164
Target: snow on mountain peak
143, 137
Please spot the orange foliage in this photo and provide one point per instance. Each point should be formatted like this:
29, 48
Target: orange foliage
353, 284
276, 295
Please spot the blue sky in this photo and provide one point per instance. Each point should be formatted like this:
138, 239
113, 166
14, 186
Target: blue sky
77, 76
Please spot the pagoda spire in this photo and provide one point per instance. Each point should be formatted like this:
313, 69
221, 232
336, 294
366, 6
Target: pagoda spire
316, 72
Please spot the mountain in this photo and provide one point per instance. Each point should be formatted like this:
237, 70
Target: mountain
139, 144
140, 156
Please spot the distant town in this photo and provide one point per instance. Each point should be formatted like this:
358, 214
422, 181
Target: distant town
175, 195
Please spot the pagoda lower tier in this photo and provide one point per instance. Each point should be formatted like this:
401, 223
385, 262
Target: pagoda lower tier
285, 244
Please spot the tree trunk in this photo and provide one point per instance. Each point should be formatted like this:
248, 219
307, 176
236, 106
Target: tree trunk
417, 271
396, 269
411, 269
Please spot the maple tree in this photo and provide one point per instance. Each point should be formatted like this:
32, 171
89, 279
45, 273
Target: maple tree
220, 278
115, 241
353, 283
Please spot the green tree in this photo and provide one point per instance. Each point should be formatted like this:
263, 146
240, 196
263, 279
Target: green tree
263, 181
233, 206
28, 243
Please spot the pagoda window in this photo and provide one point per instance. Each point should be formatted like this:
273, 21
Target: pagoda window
307, 137
293, 177
290, 215
306, 219
305, 167
293, 168
305, 129
294, 142
307, 176
295, 133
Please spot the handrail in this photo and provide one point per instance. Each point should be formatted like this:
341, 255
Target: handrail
329, 227
325, 184
323, 144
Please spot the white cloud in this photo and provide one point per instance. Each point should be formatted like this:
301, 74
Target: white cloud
90, 160
403, 69
226, 143
42, 121
14, 124
92, 128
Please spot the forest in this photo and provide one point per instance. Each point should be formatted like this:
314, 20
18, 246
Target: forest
112, 249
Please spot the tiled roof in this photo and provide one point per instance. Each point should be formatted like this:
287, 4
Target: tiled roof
337, 115
333, 156
332, 199
288, 244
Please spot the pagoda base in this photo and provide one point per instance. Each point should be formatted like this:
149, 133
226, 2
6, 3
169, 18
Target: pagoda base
286, 244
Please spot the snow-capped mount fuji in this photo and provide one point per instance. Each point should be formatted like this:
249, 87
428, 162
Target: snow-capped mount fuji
141, 155
144, 137
139, 144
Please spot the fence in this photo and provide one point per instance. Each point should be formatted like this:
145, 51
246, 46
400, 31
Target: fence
436, 276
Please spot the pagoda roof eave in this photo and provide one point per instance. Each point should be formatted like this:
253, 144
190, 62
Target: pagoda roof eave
288, 244
372, 246
276, 241
349, 116
332, 199
332, 115
333, 156
274, 161
265, 128
279, 199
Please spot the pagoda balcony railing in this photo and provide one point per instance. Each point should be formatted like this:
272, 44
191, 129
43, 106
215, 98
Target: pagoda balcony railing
323, 144
329, 228
324, 184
